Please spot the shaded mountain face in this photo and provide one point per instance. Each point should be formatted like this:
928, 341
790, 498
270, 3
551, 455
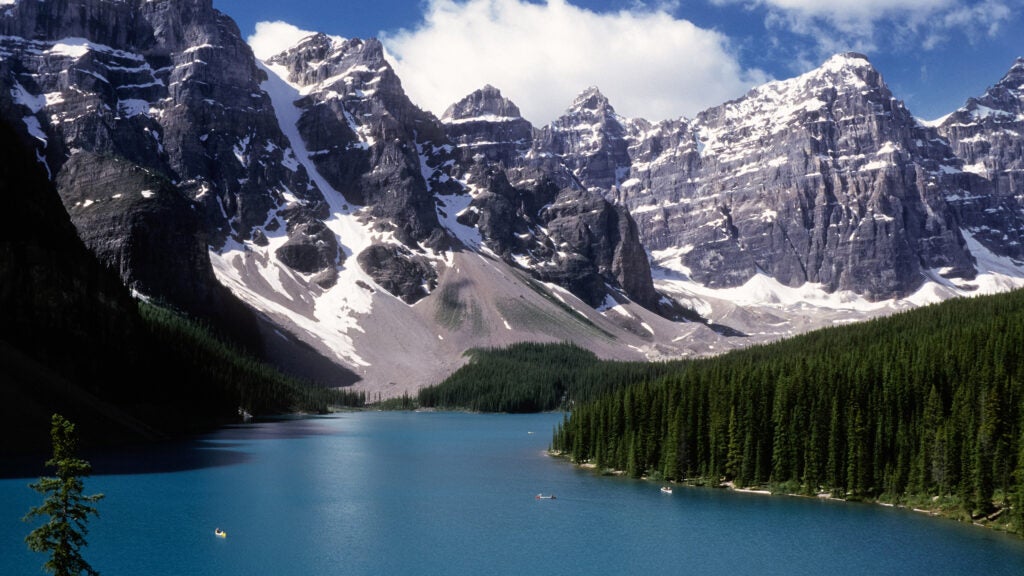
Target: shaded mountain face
487, 126
162, 102
69, 330
590, 140
365, 136
544, 220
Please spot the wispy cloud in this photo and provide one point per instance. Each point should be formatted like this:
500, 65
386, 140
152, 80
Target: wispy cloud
649, 63
890, 24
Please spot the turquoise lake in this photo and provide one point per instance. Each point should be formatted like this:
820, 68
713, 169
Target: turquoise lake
389, 494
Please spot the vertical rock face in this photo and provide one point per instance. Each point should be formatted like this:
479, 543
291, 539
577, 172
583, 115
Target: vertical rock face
365, 136
487, 126
533, 210
590, 140
604, 249
987, 133
168, 88
381, 151
858, 186
825, 178
377, 149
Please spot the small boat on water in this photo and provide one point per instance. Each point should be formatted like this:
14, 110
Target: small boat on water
666, 489
543, 497
220, 533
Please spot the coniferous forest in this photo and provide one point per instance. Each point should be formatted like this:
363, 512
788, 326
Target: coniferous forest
532, 377
924, 406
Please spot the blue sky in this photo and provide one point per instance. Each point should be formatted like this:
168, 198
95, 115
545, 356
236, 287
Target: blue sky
661, 59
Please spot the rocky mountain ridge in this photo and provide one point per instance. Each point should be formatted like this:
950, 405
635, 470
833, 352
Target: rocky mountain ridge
987, 135
163, 99
161, 132
390, 240
824, 179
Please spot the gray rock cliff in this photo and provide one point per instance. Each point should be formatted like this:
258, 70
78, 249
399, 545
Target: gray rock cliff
169, 87
987, 134
825, 178
532, 209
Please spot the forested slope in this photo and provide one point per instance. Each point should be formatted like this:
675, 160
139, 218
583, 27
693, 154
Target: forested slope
532, 377
920, 405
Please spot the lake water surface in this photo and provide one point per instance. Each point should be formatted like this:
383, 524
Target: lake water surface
389, 494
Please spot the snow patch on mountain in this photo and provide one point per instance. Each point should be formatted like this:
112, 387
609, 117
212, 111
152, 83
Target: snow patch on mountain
996, 274
329, 315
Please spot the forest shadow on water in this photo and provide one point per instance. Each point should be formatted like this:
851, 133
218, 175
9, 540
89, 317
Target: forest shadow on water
228, 449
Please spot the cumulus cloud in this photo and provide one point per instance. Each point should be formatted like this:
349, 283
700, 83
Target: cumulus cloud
273, 38
541, 55
866, 24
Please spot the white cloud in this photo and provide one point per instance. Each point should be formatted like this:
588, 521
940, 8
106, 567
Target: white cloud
541, 56
985, 17
275, 37
851, 10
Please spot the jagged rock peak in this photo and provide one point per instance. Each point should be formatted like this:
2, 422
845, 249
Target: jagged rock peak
320, 57
1001, 103
486, 103
314, 42
848, 73
319, 47
1014, 79
591, 99
847, 68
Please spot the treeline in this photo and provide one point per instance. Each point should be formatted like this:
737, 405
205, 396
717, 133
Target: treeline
205, 370
532, 377
923, 404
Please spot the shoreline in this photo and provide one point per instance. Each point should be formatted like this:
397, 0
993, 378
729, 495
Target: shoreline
987, 521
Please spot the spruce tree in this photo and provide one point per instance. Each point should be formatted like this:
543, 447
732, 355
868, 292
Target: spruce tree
63, 535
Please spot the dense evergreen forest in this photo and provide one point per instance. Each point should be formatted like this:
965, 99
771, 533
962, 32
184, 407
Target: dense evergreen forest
923, 408
531, 377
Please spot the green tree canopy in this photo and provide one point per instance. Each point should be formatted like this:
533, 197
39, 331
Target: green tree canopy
67, 509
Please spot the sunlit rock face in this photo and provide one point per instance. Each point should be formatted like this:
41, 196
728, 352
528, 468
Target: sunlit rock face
825, 178
987, 134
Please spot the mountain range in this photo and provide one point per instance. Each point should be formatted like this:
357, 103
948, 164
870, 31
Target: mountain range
306, 208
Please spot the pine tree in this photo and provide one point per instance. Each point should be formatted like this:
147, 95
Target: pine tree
63, 535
